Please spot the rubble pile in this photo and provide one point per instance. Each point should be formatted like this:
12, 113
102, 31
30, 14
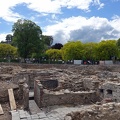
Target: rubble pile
109, 111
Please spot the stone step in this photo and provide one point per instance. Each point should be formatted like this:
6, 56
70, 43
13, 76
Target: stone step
34, 109
15, 115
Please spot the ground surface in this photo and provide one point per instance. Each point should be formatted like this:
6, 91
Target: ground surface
6, 109
98, 72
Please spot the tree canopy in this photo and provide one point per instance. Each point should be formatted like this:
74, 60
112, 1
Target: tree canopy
118, 43
27, 37
6, 50
48, 40
107, 49
72, 51
54, 54
57, 46
104, 50
90, 51
9, 38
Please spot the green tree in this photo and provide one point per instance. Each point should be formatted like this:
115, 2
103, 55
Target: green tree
6, 50
118, 46
107, 49
9, 38
118, 43
57, 46
90, 51
72, 50
54, 54
27, 37
48, 40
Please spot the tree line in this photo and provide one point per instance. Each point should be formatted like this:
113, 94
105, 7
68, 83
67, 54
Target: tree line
28, 42
76, 50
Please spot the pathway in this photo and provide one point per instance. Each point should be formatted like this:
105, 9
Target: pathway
50, 113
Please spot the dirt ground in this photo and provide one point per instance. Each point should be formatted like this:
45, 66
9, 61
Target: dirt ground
6, 109
6, 73
5, 84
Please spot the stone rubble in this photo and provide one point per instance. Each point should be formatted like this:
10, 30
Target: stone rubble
109, 111
72, 79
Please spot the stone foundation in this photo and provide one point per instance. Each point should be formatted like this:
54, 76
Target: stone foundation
44, 97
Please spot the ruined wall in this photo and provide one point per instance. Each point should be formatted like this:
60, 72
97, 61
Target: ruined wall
38, 90
90, 84
44, 97
110, 90
68, 98
29, 76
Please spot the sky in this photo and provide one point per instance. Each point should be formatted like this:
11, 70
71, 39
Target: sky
65, 20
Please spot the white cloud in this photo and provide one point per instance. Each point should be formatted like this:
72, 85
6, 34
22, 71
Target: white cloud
53, 16
85, 29
6, 11
115, 23
43, 7
98, 3
2, 36
54, 6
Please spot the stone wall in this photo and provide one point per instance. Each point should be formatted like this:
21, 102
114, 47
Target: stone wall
90, 84
44, 97
30, 76
74, 98
110, 90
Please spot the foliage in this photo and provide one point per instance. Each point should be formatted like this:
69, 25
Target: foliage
72, 51
118, 43
54, 53
6, 50
89, 51
27, 37
48, 40
9, 38
104, 50
107, 49
57, 46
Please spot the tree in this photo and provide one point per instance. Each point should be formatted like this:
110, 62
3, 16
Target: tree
118, 43
48, 40
72, 51
6, 50
90, 51
118, 46
57, 46
107, 49
9, 38
27, 37
54, 54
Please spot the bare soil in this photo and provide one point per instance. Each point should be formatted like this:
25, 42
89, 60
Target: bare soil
6, 109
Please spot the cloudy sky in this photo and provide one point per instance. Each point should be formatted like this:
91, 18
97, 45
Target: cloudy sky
65, 20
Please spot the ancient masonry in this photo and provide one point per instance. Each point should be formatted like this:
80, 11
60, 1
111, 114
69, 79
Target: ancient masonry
75, 86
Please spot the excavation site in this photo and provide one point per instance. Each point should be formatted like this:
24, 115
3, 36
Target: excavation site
59, 92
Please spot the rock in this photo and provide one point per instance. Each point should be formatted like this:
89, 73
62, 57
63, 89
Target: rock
67, 118
66, 91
